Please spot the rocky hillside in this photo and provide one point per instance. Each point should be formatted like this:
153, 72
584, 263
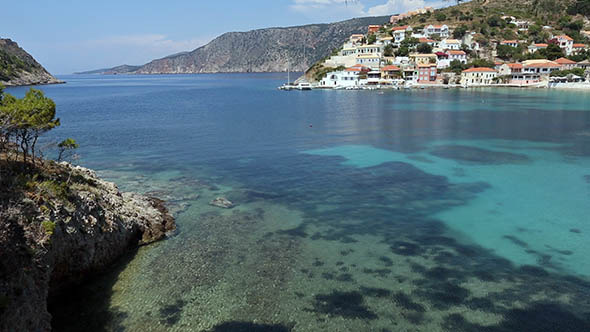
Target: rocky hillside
59, 227
17, 67
264, 50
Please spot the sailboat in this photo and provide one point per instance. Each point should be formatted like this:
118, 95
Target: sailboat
288, 86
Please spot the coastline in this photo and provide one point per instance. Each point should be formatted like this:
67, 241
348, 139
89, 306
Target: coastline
51, 241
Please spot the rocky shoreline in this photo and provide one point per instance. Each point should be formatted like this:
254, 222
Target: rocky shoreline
49, 245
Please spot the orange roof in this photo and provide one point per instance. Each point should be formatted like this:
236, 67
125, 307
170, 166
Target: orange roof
579, 45
509, 42
405, 27
427, 65
479, 70
564, 61
514, 65
548, 64
358, 68
437, 26
541, 45
566, 37
457, 52
390, 68
425, 40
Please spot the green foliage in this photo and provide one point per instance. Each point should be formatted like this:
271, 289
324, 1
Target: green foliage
457, 66
581, 7
10, 65
65, 146
481, 63
402, 51
440, 16
409, 42
424, 48
496, 21
49, 227
507, 52
564, 73
552, 52
24, 120
371, 39
460, 31
388, 50
53, 189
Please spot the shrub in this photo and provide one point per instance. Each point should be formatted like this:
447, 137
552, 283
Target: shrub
49, 227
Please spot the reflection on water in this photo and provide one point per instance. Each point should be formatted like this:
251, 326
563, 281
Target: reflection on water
459, 210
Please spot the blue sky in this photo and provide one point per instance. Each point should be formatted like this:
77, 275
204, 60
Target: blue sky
75, 35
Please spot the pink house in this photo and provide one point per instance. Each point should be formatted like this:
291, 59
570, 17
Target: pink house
427, 73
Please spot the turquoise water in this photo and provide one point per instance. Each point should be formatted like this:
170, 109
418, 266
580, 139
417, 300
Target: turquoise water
429, 210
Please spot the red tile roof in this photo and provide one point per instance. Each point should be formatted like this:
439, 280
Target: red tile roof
509, 42
541, 45
564, 61
548, 64
390, 68
514, 65
358, 68
457, 52
425, 40
405, 27
579, 45
479, 70
566, 37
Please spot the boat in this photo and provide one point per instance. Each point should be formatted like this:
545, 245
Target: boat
287, 87
303, 86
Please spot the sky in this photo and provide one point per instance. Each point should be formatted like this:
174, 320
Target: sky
66, 36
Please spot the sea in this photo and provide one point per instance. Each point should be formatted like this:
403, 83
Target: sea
386, 210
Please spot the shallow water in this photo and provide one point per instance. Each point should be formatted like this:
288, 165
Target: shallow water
430, 210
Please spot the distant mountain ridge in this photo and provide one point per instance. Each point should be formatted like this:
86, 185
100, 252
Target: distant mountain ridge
17, 67
263, 50
123, 69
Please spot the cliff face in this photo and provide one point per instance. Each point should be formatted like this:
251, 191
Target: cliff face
51, 238
264, 50
17, 67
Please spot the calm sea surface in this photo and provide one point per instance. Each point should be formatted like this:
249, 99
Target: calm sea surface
426, 210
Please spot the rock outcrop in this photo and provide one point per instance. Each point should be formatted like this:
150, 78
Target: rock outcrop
51, 242
17, 67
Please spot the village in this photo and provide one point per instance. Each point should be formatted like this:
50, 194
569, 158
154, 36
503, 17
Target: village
402, 56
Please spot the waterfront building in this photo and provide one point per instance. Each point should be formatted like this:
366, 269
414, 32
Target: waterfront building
566, 64
478, 76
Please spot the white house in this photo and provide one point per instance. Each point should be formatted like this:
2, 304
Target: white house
535, 47
369, 60
368, 49
441, 30
344, 78
450, 44
522, 25
401, 33
457, 55
566, 43
511, 43
543, 67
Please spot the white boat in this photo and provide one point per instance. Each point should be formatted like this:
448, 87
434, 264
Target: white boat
288, 87
303, 86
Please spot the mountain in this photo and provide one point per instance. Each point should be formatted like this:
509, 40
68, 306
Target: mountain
263, 50
123, 69
17, 67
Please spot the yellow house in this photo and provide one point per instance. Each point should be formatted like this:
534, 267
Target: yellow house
423, 59
478, 76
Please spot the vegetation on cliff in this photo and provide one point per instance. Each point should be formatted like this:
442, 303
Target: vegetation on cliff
17, 67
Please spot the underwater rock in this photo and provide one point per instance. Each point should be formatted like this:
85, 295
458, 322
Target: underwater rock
222, 202
478, 155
